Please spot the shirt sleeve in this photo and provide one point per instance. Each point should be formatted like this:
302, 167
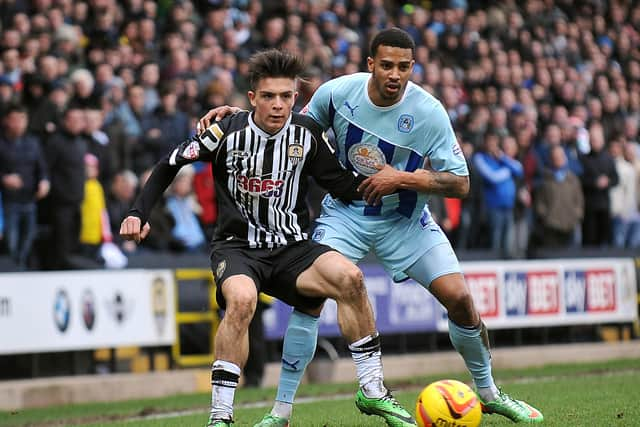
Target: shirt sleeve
320, 106
441, 144
201, 147
327, 171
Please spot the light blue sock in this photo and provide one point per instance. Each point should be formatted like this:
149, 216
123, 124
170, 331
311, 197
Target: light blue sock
297, 351
473, 346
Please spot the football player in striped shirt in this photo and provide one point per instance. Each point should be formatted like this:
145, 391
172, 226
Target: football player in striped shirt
261, 161
389, 128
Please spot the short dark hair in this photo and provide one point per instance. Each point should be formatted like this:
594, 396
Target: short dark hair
15, 107
273, 63
393, 37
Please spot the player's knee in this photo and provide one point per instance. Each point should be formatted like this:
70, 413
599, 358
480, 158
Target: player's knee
461, 309
241, 304
351, 285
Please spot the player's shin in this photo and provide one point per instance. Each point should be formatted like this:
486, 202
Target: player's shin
297, 351
473, 345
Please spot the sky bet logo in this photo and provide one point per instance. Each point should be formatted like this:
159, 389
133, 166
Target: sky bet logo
590, 291
533, 293
484, 288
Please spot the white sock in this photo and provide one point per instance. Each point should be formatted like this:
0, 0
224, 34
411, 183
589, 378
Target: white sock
282, 409
487, 394
367, 357
224, 381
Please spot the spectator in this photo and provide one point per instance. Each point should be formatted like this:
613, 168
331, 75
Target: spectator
522, 211
632, 155
65, 151
121, 195
7, 93
95, 227
162, 128
472, 214
83, 85
205, 192
181, 204
598, 177
499, 173
98, 143
1, 219
559, 203
48, 115
149, 77
624, 201
127, 114
24, 181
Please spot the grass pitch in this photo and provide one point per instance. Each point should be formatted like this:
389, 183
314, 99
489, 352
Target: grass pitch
596, 394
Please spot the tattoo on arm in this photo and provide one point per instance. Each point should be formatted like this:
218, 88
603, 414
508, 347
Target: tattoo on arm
444, 184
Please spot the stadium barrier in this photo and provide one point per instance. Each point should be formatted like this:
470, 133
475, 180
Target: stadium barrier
87, 310
508, 294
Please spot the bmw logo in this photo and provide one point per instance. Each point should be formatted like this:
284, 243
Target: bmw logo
62, 310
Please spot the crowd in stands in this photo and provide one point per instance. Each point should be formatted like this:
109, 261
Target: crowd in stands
544, 97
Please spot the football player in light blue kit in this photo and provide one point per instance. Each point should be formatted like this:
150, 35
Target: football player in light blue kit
388, 128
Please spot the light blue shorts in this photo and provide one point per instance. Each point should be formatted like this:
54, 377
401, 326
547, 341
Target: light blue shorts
397, 241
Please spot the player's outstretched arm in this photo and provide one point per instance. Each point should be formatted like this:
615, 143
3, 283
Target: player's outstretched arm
389, 180
215, 115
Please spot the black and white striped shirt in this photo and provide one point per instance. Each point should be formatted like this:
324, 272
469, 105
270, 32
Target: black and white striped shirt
260, 179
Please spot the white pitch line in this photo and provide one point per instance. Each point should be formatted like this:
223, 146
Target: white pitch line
249, 405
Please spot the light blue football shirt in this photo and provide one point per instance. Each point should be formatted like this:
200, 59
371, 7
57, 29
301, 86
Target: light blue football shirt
402, 135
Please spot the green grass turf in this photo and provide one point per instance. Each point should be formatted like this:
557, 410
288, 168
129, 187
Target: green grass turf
595, 394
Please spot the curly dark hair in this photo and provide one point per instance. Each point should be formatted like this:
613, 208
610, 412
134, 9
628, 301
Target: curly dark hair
393, 37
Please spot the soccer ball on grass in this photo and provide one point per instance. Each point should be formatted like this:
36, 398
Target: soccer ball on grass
448, 403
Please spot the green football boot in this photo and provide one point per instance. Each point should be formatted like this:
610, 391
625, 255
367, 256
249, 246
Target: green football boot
516, 410
270, 420
386, 407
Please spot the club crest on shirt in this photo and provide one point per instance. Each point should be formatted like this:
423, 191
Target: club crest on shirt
295, 152
318, 234
365, 157
405, 123
191, 151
